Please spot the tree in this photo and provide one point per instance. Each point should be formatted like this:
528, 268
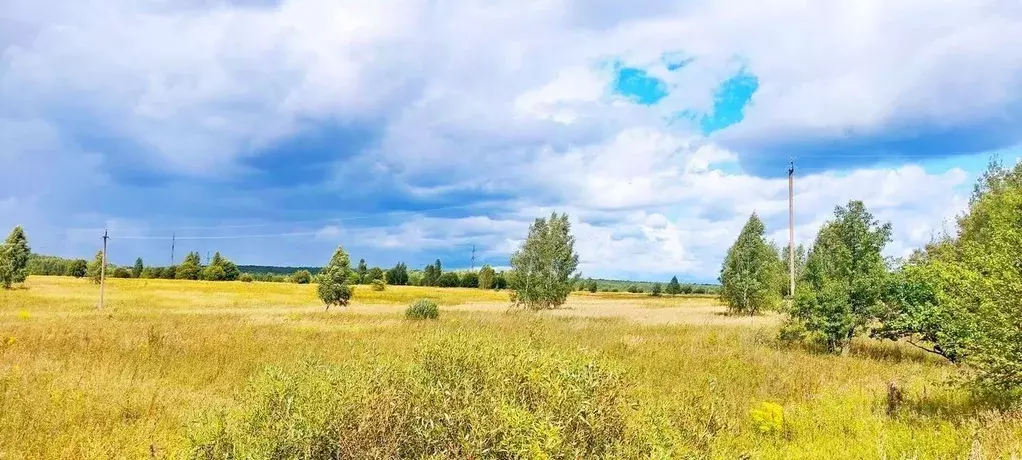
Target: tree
147, 273
301, 277
470, 280
398, 276
121, 272
543, 270
375, 273
656, 290
500, 281
486, 277
169, 273
333, 280
673, 287
190, 268
362, 271
591, 286
78, 268
415, 278
431, 274
220, 269
845, 277
95, 269
449, 279
136, 271
751, 271
14, 253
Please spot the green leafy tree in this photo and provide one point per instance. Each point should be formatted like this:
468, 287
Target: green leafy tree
14, 254
751, 271
121, 272
333, 280
486, 277
78, 268
800, 266
220, 269
190, 268
656, 290
169, 273
544, 269
500, 281
136, 271
95, 269
362, 272
415, 278
591, 285
470, 280
687, 289
375, 273
845, 277
398, 276
301, 277
673, 287
147, 273
449, 279
432, 273
634, 289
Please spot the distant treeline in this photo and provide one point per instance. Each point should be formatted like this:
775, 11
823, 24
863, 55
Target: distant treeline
431, 275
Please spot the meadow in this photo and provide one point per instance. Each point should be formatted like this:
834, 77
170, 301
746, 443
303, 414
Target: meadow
180, 369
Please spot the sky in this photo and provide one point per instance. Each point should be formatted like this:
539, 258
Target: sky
275, 130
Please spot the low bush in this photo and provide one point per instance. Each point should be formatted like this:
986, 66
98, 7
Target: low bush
379, 285
246, 278
460, 398
423, 309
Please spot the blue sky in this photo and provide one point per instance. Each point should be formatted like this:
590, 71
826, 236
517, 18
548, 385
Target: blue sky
275, 130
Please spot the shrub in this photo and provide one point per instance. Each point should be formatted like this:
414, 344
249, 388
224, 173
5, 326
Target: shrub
470, 280
449, 279
656, 290
301, 277
673, 287
422, 309
78, 268
379, 285
459, 398
768, 417
121, 272
333, 283
246, 278
486, 277
634, 289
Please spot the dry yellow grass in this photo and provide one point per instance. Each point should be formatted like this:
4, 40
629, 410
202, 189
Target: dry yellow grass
129, 381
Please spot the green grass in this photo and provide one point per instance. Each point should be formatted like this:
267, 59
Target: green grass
150, 371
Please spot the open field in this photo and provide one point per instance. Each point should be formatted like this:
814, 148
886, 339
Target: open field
136, 379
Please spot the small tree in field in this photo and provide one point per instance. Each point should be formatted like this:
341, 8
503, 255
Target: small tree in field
751, 271
136, 271
301, 277
656, 290
190, 268
78, 268
544, 269
845, 277
95, 270
333, 280
14, 254
486, 277
673, 287
398, 276
591, 286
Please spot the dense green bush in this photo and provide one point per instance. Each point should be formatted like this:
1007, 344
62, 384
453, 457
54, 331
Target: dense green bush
301, 277
246, 278
656, 290
423, 309
333, 286
449, 279
379, 285
78, 268
121, 272
634, 289
486, 277
459, 398
470, 280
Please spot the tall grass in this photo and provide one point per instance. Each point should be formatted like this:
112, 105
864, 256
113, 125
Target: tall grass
133, 381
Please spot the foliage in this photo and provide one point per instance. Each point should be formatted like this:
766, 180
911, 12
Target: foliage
845, 277
121, 272
375, 273
362, 273
423, 309
459, 399
432, 273
751, 271
634, 289
379, 285
190, 268
78, 268
136, 271
415, 278
500, 281
95, 269
591, 285
333, 286
544, 269
449, 279
486, 277
398, 276
656, 290
768, 417
470, 280
673, 287
14, 254
246, 278
301, 277
800, 266
219, 269
48, 265
169, 273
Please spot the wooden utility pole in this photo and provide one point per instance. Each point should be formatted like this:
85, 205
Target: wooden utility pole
473, 257
102, 271
791, 228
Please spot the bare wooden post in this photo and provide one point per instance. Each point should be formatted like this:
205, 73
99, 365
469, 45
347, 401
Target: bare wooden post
791, 229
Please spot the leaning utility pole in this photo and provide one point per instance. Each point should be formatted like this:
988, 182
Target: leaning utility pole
102, 271
791, 228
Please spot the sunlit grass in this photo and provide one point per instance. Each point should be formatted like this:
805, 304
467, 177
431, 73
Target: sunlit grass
133, 379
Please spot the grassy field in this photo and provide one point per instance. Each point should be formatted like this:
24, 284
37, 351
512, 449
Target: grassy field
145, 376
